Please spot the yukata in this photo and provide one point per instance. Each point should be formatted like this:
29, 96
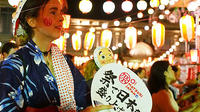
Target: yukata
25, 80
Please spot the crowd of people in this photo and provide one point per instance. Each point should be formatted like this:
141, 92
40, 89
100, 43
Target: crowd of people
39, 78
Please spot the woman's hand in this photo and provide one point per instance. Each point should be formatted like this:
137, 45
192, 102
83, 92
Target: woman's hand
97, 108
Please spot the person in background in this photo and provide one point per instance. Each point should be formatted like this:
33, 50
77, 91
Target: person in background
38, 77
161, 75
176, 84
142, 74
89, 70
190, 101
8, 48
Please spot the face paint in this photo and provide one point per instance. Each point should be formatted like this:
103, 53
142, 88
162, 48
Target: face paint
102, 56
47, 21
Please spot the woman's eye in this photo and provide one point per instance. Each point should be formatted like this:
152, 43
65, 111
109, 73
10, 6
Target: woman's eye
102, 57
54, 13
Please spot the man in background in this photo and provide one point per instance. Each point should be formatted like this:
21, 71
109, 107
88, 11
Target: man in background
8, 48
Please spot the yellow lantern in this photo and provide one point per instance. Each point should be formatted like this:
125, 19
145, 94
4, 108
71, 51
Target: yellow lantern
154, 3
130, 37
187, 27
158, 34
106, 38
61, 43
76, 41
89, 40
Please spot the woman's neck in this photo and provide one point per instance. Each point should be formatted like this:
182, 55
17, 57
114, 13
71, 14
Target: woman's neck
42, 43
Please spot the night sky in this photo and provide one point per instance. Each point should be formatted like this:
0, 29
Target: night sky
98, 13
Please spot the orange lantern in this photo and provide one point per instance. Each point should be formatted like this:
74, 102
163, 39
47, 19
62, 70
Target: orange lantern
158, 34
130, 37
187, 27
154, 3
76, 41
89, 40
106, 38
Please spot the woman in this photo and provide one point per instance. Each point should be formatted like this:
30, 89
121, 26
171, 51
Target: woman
161, 75
38, 77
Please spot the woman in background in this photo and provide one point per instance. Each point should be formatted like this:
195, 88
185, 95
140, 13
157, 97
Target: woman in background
161, 75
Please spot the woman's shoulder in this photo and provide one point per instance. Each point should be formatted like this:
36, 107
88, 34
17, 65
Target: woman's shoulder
161, 94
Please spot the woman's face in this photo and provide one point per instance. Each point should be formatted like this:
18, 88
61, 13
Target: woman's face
49, 21
169, 74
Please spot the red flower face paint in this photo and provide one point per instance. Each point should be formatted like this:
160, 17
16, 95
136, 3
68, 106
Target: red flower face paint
47, 21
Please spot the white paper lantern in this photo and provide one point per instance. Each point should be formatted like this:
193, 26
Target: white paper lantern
106, 38
142, 5
89, 40
85, 6
130, 37
76, 41
127, 6
108, 7
13, 3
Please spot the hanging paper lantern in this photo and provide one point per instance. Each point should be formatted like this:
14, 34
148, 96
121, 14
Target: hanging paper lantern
130, 37
187, 27
61, 43
142, 5
13, 3
127, 6
66, 21
89, 40
154, 3
85, 6
76, 41
106, 38
108, 7
171, 58
194, 55
158, 34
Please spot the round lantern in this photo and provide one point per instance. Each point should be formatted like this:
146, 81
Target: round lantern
154, 3
108, 7
76, 41
85, 6
89, 40
187, 27
106, 38
13, 3
142, 5
158, 34
130, 37
127, 6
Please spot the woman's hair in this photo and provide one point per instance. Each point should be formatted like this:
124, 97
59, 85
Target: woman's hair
89, 68
175, 68
139, 70
30, 9
157, 79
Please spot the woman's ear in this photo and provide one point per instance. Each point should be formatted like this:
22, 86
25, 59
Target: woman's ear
31, 22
